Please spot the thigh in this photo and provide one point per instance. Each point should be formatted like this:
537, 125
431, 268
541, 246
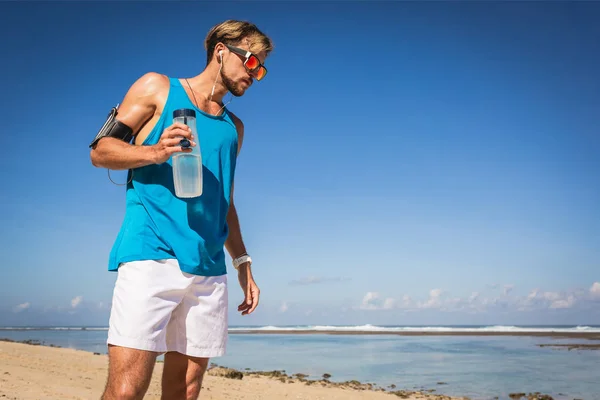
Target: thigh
129, 371
145, 294
200, 323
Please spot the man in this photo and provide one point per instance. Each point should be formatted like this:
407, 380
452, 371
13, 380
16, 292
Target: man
170, 296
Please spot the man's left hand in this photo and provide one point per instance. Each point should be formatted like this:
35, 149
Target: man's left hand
251, 291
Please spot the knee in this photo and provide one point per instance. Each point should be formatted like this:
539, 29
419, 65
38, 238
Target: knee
126, 391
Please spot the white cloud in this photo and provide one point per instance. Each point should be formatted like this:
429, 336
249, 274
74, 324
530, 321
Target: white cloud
76, 301
284, 307
369, 301
595, 291
564, 303
373, 301
434, 300
406, 301
21, 307
389, 303
536, 300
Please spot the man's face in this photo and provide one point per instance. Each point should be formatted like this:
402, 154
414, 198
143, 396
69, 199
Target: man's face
236, 77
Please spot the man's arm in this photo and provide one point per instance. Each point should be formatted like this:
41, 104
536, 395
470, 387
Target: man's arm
235, 246
234, 243
138, 107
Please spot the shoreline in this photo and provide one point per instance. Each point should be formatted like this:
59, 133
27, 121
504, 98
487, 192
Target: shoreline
31, 370
27, 366
566, 335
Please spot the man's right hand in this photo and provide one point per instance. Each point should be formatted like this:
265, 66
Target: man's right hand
169, 142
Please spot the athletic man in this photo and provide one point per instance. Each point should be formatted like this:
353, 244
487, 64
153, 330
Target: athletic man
170, 296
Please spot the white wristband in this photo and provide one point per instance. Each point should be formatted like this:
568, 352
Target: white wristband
241, 260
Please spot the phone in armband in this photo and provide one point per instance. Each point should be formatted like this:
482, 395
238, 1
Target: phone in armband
113, 128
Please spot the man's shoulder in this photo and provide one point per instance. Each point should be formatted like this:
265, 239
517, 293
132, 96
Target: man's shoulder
154, 78
150, 84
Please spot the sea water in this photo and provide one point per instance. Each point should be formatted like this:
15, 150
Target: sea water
481, 367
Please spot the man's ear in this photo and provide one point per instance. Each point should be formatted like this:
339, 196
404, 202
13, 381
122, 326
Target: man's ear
219, 52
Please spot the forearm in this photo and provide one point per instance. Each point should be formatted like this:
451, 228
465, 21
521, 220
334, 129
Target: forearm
234, 243
115, 154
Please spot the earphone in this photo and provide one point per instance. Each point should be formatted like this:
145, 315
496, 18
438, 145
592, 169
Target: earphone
221, 54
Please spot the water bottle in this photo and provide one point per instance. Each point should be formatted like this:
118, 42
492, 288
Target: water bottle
187, 167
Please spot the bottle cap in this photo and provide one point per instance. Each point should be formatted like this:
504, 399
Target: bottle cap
184, 112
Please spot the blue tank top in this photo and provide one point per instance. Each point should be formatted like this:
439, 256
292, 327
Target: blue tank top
158, 224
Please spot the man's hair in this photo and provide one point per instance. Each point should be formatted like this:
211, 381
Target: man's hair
233, 32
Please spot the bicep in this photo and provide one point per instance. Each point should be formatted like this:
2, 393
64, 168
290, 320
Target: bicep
139, 103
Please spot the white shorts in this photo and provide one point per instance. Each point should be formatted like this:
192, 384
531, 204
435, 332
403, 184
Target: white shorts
157, 307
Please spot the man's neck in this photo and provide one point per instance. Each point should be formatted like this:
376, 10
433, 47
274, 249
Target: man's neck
202, 85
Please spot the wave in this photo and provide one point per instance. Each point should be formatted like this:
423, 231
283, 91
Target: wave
391, 329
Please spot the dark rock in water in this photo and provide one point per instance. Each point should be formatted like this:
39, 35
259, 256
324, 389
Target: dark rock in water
403, 394
573, 346
234, 375
326, 376
516, 396
531, 396
226, 373
539, 396
442, 383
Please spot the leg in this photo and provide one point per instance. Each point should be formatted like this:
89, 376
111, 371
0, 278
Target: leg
129, 373
182, 376
145, 295
197, 331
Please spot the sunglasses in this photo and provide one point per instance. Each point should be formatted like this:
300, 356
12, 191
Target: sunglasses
252, 63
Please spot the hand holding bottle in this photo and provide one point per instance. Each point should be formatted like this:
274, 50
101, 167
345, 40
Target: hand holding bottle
170, 142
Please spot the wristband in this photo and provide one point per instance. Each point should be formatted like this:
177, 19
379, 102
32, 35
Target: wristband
240, 260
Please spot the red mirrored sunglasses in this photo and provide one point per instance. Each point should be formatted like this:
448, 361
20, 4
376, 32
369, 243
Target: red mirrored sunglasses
252, 63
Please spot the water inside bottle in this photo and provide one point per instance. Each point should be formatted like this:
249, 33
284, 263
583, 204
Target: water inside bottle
187, 175
187, 167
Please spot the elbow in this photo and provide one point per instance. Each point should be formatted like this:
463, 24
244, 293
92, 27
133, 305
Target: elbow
98, 154
96, 158
93, 158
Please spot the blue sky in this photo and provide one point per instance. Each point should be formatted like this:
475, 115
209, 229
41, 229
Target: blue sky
404, 163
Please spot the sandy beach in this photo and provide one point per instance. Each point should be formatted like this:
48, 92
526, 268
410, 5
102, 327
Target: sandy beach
34, 372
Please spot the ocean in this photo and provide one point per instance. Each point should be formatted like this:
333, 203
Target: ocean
480, 367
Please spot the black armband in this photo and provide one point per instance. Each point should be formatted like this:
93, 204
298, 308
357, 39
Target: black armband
113, 128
